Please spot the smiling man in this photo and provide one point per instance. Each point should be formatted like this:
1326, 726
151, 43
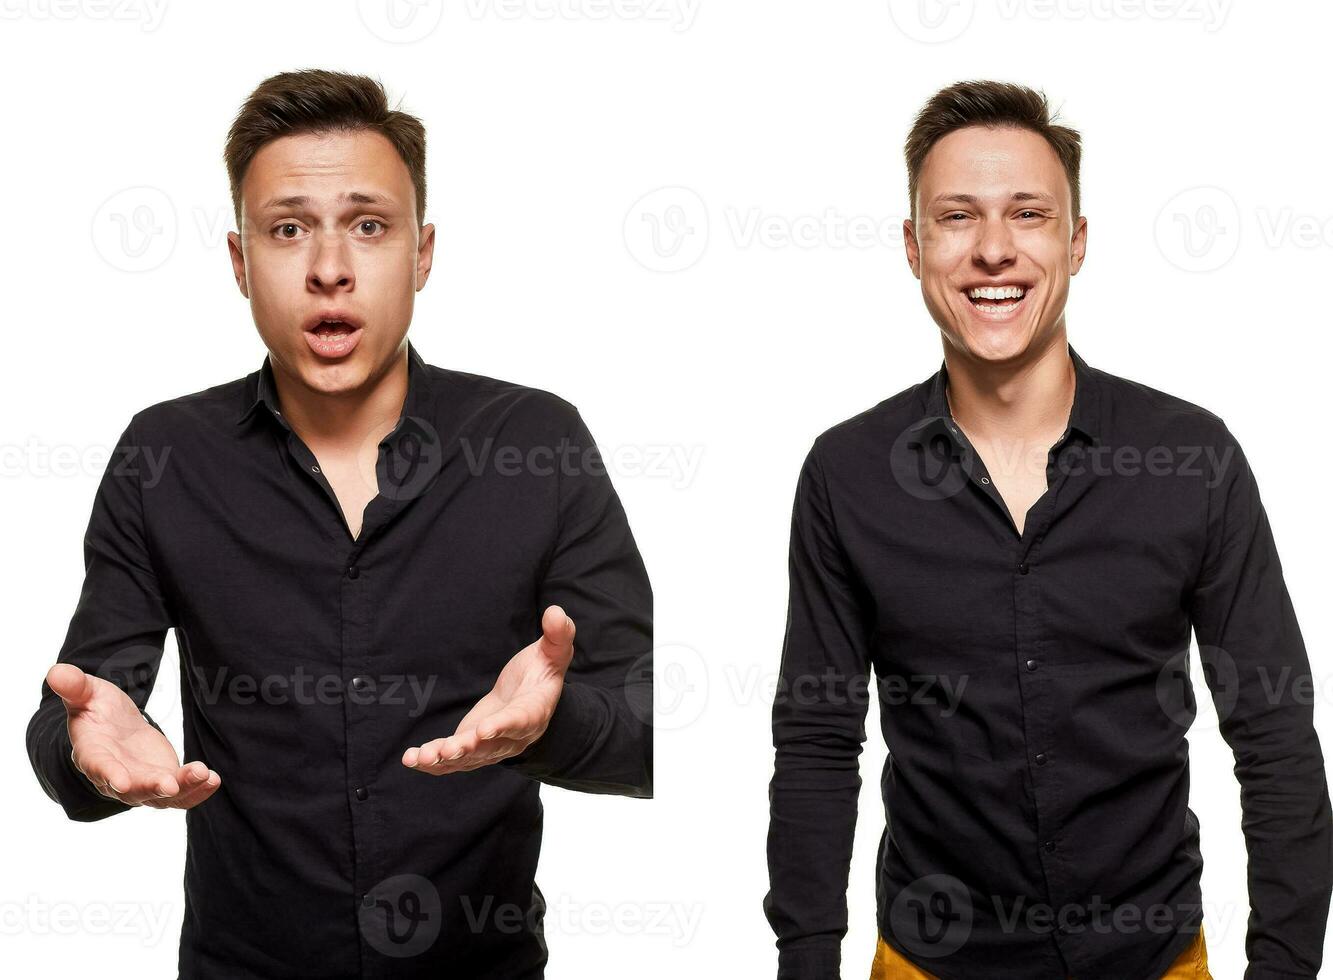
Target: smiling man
374, 568
1018, 548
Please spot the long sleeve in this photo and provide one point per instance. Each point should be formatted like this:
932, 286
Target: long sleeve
116, 633
818, 733
600, 737
1259, 676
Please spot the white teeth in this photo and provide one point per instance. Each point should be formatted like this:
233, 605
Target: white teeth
997, 292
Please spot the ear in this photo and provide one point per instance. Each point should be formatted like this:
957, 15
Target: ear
425, 254
1078, 244
912, 246
237, 253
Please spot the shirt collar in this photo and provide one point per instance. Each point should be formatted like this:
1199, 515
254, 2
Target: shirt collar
259, 388
1084, 416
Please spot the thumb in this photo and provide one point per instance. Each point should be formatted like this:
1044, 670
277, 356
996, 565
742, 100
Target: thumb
557, 642
71, 685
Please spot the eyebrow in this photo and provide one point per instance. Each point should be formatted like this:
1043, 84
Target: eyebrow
301, 200
973, 199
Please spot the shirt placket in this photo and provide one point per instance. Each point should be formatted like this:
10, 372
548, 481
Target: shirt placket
1038, 719
361, 749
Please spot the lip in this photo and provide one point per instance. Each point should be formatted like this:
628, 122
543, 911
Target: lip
989, 316
332, 350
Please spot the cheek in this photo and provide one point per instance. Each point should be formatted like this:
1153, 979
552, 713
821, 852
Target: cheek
1051, 253
938, 276
946, 253
273, 271
387, 271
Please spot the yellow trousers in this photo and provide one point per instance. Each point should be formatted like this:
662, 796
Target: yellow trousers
889, 964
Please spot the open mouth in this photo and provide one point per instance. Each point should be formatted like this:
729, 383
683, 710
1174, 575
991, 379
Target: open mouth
996, 302
333, 329
332, 337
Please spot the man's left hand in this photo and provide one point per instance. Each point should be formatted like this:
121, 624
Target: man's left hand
516, 711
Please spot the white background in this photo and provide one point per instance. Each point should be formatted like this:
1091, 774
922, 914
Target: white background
779, 125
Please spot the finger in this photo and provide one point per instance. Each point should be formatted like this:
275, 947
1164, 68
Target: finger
71, 685
442, 751
557, 641
194, 793
104, 771
190, 776
431, 752
187, 779
486, 754
151, 788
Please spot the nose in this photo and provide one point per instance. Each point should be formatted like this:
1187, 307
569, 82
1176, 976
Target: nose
995, 244
330, 263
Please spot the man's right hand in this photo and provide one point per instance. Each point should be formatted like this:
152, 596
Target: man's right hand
126, 758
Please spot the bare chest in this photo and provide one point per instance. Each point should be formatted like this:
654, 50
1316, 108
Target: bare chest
354, 484
1018, 473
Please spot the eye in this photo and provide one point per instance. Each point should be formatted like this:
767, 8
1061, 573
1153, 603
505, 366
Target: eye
956, 214
281, 229
1034, 214
375, 222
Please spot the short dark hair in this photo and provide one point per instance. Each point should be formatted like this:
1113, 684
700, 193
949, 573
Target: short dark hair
314, 100
987, 103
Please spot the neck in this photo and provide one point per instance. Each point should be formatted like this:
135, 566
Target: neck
1024, 399
345, 420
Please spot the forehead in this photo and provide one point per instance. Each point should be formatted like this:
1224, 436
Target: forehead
992, 162
320, 166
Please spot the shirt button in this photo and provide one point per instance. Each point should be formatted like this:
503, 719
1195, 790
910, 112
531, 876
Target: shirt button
359, 683
1049, 845
1041, 758
362, 793
1022, 568
985, 480
353, 571
314, 469
1031, 665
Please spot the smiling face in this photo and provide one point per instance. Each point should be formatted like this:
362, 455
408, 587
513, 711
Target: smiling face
995, 242
330, 255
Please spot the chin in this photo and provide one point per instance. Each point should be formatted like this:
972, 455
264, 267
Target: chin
993, 344
332, 378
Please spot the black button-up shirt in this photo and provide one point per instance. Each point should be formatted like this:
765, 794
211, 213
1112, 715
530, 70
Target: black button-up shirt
310, 660
1034, 695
